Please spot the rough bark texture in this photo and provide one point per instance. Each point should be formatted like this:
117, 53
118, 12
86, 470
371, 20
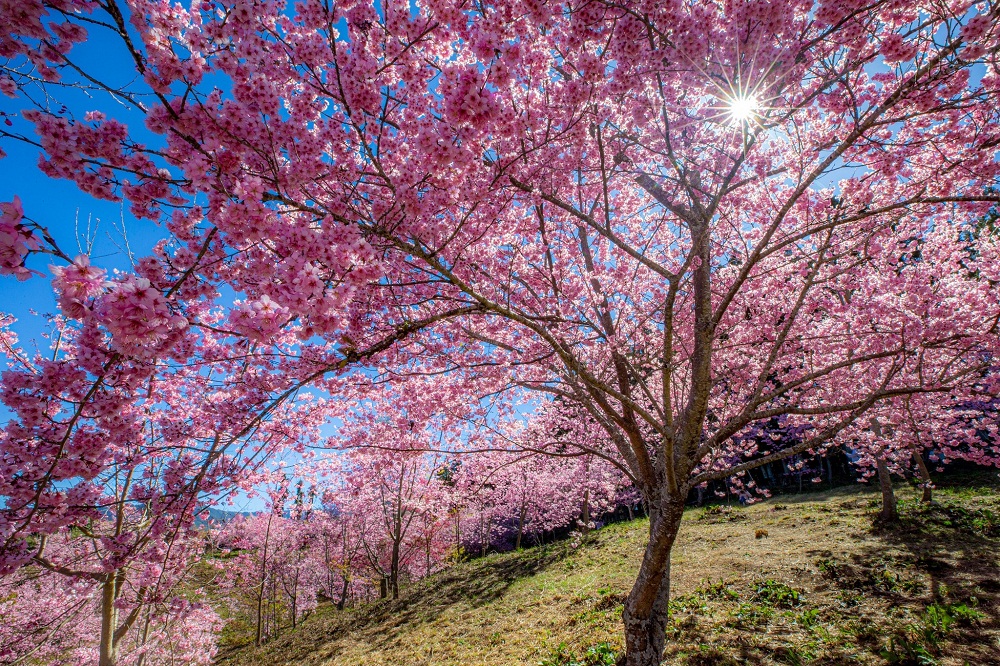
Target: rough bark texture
925, 476
646, 608
394, 571
109, 619
343, 593
520, 525
889, 513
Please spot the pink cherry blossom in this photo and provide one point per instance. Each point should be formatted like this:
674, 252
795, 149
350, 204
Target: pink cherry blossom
16, 240
77, 284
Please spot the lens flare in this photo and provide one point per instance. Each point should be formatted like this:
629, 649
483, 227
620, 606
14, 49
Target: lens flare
742, 109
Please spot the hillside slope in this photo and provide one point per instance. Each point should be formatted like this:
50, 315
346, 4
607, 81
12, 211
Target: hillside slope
785, 581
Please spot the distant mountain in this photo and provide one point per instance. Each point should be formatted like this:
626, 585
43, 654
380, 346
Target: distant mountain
219, 515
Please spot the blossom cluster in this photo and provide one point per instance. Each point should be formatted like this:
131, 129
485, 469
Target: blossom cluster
16, 240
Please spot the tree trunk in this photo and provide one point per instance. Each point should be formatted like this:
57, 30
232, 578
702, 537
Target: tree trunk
925, 475
485, 531
646, 609
585, 514
258, 635
520, 524
343, 593
109, 620
145, 637
889, 513
394, 571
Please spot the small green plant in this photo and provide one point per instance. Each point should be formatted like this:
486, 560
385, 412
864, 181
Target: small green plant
916, 644
951, 513
966, 614
749, 615
849, 599
602, 654
793, 656
776, 593
884, 578
457, 555
863, 631
559, 657
830, 568
687, 602
938, 619
903, 651
808, 619
720, 590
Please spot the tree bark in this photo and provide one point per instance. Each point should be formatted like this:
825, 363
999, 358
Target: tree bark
925, 476
343, 593
889, 513
520, 524
109, 620
258, 634
485, 530
394, 571
646, 609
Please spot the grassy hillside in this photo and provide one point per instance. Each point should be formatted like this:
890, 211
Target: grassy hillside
788, 581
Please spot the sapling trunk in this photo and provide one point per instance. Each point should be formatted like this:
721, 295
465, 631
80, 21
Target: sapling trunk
343, 593
258, 634
889, 514
520, 524
925, 475
394, 571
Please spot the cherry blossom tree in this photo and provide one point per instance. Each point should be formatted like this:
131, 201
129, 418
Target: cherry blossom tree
389, 484
270, 569
108, 503
68, 612
680, 219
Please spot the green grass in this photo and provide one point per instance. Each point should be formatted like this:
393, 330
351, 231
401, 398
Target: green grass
822, 587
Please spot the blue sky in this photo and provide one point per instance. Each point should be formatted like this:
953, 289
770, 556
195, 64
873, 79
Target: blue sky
75, 219
58, 204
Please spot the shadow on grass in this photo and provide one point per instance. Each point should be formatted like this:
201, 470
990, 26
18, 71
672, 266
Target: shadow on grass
471, 584
934, 554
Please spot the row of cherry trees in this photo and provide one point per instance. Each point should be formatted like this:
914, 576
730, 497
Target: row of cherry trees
378, 521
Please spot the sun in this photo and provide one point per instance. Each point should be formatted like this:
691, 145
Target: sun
743, 108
